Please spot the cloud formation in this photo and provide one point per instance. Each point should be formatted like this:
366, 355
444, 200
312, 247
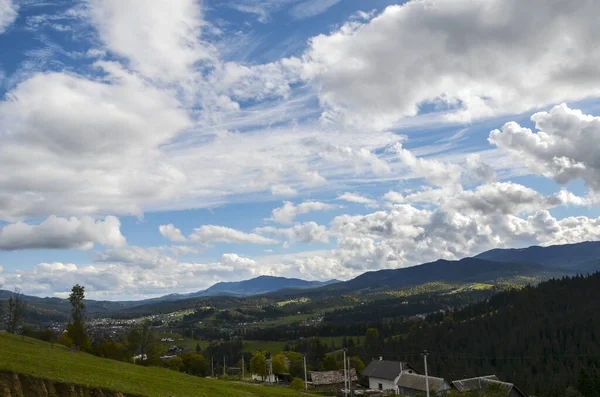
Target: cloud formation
8, 14
450, 56
208, 234
289, 211
62, 233
171, 232
160, 39
564, 148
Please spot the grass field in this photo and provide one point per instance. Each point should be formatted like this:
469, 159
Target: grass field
42, 360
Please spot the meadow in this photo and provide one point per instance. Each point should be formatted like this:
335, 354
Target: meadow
53, 362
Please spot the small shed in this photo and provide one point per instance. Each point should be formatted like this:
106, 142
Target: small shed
415, 384
331, 379
483, 383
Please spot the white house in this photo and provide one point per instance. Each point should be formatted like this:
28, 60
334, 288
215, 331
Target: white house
384, 374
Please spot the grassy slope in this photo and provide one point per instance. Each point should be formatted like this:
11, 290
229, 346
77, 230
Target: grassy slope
38, 359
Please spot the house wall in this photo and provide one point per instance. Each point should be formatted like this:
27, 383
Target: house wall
404, 391
386, 383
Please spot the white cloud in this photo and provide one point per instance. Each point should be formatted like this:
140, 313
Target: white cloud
311, 8
171, 232
394, 197
148, 258
357, 199
290, 211
8, 14
477, 170
309, 232
95, 145
434, 171
283, 190
161, 39
434, 61
219, 234
564, 148
62, 233
126, 277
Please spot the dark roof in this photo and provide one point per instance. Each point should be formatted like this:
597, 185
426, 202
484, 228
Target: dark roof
482, 383
384, 369
331, 377
417, 382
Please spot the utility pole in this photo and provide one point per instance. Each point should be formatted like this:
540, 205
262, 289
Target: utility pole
345, 375
271, 371
224, 366
243, 367
305, 377
349, 379
212, 366
425, 354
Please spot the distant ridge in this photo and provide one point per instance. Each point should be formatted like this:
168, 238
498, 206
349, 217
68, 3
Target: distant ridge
259, 285
576, 257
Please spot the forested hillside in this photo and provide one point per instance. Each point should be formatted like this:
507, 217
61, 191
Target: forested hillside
540, 338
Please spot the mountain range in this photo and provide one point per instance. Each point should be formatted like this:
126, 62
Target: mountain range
491, 266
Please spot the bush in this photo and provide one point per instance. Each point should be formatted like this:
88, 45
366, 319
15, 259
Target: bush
297, 384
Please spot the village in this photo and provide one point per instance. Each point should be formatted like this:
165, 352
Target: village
387, 378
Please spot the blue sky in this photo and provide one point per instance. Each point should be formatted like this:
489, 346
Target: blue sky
151, 147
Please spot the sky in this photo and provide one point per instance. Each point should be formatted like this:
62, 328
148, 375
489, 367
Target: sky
150, 147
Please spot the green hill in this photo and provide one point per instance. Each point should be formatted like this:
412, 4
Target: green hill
41, 360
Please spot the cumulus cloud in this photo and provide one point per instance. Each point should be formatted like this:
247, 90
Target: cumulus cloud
434, 171
219, 234
62, 233
283, 190
161, 39
394, 197
95, 145
8, 14
124, 277
172, 233
405, 235
290, 211
152, 257
357, 199
436, 63
564, 148
309, 232
477, 170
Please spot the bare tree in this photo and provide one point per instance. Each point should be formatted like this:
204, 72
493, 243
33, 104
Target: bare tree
16, 306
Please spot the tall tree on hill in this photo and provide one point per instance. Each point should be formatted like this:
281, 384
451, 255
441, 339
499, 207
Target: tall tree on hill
16, 306
258, 364
76, 327
142, 343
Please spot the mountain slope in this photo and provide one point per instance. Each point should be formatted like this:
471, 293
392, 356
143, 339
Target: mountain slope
498, 264
567, 256
540, 338
259, 285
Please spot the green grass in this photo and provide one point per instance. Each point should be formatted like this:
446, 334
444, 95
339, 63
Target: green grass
40, 360
274, 347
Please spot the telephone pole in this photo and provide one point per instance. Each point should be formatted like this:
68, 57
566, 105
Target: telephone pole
305, 377
349, 379
345, 375
243, 367
425, 354
212, 366
271, 371
223, 365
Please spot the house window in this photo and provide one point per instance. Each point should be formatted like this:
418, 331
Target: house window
380, 386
